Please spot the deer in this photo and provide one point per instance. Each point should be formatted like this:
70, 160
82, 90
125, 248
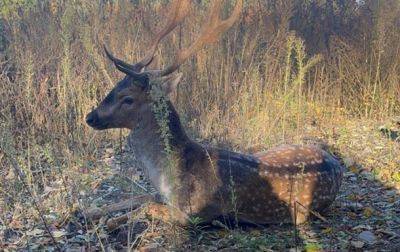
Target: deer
285, 184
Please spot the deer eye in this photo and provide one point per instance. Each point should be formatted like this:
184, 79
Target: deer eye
127, 100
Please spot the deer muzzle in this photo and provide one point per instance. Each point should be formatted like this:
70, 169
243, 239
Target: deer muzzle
94, 121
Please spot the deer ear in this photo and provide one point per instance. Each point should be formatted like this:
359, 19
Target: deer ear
170, 85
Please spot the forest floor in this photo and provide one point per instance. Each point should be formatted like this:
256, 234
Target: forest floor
365, 215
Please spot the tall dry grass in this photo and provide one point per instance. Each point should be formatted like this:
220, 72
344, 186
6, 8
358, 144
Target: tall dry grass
258, 86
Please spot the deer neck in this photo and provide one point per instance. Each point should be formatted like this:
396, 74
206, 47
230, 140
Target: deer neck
154, 152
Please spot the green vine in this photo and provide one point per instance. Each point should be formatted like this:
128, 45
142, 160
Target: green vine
161, 112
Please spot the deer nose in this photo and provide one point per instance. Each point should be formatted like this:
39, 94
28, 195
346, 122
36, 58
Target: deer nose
92, 118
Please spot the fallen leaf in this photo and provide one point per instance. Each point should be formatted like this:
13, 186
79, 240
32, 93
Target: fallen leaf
354, 206
313, 247
348, 162
365, 227
396, 176
357, 244
15, 224
388, 232
368, 212
352, 215
368, 237
59, 233
354, 197
255, 232
328, 230
354, 169
35, 232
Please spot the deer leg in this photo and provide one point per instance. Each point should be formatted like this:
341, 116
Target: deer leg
152, 210
114, 223
95, 213
166, 213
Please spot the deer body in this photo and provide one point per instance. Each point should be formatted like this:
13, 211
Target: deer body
280, 185
212, 182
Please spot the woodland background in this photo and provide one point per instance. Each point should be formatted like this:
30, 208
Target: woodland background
290, 69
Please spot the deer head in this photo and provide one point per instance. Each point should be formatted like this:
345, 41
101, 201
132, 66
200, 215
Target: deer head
130, 100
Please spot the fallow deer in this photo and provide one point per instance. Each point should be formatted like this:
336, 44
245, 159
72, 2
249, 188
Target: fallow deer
282, 185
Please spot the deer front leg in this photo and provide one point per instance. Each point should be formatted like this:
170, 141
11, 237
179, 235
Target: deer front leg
95, 213
152, 210
114, 223
166, 213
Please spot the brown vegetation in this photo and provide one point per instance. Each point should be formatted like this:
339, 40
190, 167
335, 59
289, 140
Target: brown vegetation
288, 66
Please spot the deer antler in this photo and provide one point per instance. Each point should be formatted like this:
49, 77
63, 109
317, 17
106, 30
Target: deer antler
179, 10
210, 34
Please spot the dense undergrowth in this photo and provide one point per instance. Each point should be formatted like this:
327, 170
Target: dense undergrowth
286, 65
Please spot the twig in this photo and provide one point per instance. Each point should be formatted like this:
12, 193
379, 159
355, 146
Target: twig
295, 226
313, 212
140, 236
138, 185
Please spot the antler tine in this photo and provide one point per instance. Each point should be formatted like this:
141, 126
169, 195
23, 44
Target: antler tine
125, 68
179, 10
210, 33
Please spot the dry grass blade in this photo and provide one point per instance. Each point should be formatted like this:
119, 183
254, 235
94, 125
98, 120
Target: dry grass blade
316, 214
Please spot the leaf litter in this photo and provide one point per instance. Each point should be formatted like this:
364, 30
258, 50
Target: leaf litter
365, 215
